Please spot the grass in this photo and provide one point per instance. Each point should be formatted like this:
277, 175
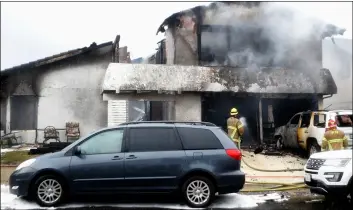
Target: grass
12, 159
15, 157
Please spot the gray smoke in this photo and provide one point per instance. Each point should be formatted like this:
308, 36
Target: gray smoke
268, 35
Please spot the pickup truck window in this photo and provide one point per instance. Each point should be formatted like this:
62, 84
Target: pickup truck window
344, 120
305, 120
320, 120
295, 120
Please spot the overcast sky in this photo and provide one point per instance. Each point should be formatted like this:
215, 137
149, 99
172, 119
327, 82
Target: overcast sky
34, 30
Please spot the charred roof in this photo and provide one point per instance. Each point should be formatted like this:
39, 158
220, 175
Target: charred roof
56, 57
174, 19
175, 78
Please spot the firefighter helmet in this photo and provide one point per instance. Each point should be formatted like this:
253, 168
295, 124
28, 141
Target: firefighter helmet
332, 124
233, 111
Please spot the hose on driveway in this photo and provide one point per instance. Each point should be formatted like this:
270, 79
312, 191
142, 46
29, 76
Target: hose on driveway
268, 170
277, 188
275, 183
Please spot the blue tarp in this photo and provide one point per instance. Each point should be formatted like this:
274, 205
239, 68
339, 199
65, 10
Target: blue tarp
137, 60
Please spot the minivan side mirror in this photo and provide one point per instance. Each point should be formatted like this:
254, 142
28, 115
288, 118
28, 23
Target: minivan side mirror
77, 151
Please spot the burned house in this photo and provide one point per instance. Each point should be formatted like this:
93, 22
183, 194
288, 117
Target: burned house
58, 89
229, 55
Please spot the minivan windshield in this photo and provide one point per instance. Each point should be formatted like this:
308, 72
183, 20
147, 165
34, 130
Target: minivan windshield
344, 120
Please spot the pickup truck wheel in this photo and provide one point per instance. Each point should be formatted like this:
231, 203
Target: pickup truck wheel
198, 191
313, 148
279, 142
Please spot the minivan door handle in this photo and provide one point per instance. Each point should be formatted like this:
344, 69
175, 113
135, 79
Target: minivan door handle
117, 158
131, 157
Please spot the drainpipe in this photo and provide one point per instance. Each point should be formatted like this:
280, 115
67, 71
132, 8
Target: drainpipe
329, 96
321, 102
260, 121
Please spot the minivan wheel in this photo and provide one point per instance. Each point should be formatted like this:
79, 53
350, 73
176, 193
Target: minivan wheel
48, 191
198, 191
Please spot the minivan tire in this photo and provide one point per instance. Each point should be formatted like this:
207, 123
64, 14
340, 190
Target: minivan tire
196, 186
54, 186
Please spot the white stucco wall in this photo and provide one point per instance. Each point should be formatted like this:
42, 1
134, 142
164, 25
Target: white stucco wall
72, 93
188, 108
338, 58
67, 91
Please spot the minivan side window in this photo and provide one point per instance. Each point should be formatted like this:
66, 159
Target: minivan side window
198, 139
153, 139
106, 142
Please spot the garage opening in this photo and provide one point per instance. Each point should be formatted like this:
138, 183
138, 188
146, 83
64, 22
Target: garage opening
275, 112
278, 111
216, 109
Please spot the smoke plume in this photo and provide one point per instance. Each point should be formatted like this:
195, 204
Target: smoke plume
266, 35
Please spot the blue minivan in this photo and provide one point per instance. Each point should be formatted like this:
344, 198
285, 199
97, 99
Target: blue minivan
196, 159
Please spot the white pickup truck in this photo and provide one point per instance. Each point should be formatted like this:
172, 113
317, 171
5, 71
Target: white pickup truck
330, 173
305, 130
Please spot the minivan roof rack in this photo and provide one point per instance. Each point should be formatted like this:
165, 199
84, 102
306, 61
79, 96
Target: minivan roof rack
169, 122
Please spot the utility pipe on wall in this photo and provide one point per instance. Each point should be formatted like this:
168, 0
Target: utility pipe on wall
260, 121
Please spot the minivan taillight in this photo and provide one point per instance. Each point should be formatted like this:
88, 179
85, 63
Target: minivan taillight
234, 153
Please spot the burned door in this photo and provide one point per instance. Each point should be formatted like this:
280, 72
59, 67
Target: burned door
291, 134
303, 131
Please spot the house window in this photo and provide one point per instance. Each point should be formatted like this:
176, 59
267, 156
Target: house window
224, 45
3, 114
23, 112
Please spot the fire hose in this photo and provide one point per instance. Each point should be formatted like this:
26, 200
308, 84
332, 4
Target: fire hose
267, 170
278, 185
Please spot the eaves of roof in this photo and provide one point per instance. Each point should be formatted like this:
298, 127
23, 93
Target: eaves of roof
54, 58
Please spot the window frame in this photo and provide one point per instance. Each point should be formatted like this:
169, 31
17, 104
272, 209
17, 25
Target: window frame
123, 144
338, 119
296, 115
317, 115
177, 138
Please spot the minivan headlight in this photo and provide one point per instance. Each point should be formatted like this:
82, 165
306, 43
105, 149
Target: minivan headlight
337, 162
26, 163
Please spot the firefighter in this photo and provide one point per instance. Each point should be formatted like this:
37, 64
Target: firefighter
334, 139
235, 127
